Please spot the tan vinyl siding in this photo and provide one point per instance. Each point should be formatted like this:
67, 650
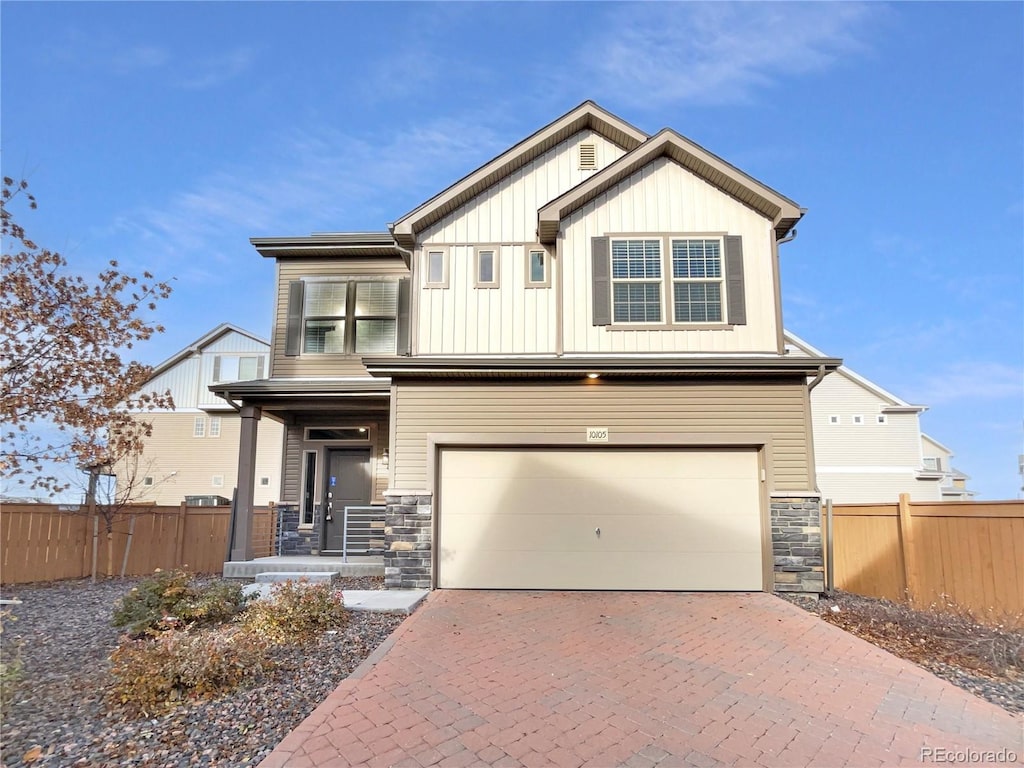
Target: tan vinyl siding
567, 409
312, 366
195, 460
295, 447
665, 198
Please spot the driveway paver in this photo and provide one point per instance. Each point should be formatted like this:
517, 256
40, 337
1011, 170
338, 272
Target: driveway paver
640, 680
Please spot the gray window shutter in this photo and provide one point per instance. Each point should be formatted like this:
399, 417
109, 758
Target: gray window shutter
293, 339
601, 280
404, 333
216, 368
734, 280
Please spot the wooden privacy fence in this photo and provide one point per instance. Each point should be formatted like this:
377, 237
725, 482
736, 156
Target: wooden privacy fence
45, 542
969, 553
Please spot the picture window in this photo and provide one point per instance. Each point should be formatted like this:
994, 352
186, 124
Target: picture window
350, 317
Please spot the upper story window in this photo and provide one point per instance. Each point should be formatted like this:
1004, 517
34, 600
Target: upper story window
199, 426
237, 367
636, 281
668, 280
486, 267
215, 426
933, 463
350, 317
436, 272
537, 268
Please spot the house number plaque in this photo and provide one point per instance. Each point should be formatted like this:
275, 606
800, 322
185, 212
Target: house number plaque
597, 434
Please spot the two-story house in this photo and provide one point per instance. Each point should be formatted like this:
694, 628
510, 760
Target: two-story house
193, 449
567, 370
868, 444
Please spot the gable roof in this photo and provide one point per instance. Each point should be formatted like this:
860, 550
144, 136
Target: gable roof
586, 115
667, 143
896, 404
936, 443
204, 341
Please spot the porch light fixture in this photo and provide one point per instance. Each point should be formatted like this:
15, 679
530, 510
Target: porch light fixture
593, 375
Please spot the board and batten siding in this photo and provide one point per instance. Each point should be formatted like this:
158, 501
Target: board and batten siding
665, 198
194, 461
183, 382
321, 365
295, 446
567, 409
513, 318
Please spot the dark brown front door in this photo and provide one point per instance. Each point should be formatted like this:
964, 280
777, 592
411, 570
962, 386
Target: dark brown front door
347, 484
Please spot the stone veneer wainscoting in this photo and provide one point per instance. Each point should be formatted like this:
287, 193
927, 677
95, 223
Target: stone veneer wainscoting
292, 540
408, 532
797, 550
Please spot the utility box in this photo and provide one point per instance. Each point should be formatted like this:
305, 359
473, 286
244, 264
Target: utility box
206, 501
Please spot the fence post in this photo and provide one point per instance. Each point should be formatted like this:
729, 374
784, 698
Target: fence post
830, 573
907, 548
179, 528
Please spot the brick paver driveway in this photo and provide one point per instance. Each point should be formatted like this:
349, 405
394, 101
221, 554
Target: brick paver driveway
640, 679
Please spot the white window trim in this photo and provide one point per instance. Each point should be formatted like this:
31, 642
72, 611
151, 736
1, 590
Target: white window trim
881, 418
530, 282
723, 300
427, 251
834, 419
495, 250
199, 427
148, 481
857, 419
217, 481
214, 430
264, 482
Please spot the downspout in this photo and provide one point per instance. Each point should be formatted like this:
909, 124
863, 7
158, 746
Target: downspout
817, 379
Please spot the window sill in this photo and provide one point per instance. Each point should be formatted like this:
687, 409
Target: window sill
670, 327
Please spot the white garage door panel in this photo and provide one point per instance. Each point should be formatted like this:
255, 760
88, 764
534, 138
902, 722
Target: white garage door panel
668, 519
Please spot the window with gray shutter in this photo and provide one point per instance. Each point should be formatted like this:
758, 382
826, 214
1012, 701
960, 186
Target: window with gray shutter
734, 280
601, 277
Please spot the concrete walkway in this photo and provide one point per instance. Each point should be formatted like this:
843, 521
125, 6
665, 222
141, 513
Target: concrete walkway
639, 680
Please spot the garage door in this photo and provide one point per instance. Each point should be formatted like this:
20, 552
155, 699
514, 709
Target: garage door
599, 519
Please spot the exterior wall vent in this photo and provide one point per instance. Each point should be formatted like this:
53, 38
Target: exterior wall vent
588, 157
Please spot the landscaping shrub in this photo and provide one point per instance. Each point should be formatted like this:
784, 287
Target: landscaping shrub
152, 673
173, 599
296, 612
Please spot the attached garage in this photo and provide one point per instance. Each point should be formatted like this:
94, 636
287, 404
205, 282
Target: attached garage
599, 518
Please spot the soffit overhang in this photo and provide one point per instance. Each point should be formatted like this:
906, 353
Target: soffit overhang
304, 394
338, 245
604, 367
586, 115
783, 212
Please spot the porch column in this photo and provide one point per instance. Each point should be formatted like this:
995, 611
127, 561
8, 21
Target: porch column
241, 535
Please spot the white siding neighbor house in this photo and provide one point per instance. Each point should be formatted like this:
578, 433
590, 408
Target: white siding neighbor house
193, 450
868, 445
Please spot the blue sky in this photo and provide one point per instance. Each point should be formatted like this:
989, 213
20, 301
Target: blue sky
167, 134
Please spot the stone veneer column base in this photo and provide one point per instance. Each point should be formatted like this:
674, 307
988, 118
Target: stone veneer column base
408, 534
292, 540
797, 548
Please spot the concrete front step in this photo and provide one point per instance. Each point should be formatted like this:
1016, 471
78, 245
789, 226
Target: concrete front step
375, 600
248, 569
313, 577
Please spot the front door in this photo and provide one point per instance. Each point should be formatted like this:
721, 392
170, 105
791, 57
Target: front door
347, 484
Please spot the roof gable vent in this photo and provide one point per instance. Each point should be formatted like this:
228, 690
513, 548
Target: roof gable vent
588, 157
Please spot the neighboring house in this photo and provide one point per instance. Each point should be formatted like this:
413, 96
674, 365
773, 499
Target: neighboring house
193, 450
938, 459
868, 444
566, 370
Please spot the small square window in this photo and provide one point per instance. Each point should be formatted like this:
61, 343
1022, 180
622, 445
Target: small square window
537, 275
881, 419
147, 481
217, 481
833, 419
215, 426
858, 419
264, 482
199, 427
486, 268
437, 268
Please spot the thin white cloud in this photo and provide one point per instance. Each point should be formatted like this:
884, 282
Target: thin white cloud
218, 70
718, 53
312, 180
972, 381
137, 57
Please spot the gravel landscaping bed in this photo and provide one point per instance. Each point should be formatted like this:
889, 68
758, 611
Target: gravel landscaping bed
66, 636
985, 660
